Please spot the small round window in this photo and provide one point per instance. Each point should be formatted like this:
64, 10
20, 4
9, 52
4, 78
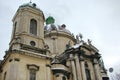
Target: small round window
32, 43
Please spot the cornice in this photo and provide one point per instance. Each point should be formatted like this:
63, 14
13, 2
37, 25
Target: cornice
60, 33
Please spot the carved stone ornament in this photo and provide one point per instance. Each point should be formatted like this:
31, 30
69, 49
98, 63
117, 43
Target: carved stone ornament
32, 66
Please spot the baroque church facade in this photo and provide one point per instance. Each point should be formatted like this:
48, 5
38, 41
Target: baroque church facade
39, 51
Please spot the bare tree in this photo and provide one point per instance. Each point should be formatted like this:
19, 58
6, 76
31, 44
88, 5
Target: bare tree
115, 76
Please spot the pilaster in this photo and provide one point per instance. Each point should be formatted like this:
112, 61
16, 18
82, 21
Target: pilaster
13, 70
73, 67
82, 62
78, 67
97, 70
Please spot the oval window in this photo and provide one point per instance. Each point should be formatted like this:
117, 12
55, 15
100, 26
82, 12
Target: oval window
32, 43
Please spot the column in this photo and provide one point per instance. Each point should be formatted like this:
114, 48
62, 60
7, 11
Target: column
97, 70
48, 76
83, 69
13, 70
73, 67
48, 70
78, 68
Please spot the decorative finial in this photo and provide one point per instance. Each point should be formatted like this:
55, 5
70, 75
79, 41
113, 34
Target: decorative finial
77, 38
81, 36
89, 41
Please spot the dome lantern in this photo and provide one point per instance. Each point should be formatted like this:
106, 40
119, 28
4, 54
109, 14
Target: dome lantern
50, 20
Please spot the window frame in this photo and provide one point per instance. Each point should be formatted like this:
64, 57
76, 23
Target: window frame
33, 27
32, 74
32, 71
87, 71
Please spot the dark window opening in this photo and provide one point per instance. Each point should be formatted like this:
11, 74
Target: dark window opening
87, 72
63, 78
32, 43
32, 74
33, 27
105, 78
14, 30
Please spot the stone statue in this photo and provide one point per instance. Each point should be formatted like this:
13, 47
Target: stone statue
77, 39
89, 41
68, 45
80, 35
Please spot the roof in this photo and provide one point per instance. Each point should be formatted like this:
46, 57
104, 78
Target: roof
59, 28
50, 20
30, 4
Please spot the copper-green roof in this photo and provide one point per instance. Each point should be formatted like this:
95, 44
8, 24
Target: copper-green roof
50, 20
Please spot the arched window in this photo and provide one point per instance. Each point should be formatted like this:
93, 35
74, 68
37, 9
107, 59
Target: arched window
87, 72
14, 30
33, 26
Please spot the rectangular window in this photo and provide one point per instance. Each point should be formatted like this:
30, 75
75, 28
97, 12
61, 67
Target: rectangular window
32, 74
32, 71
88, 74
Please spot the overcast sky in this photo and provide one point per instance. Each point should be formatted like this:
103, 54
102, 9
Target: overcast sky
98, 20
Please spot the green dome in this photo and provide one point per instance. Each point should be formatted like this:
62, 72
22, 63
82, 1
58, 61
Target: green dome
50, 20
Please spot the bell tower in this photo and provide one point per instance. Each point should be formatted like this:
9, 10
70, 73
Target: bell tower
28, 28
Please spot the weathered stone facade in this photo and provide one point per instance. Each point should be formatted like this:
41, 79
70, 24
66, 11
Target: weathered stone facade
48, 52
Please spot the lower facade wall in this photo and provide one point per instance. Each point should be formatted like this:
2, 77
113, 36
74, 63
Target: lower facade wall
16, 68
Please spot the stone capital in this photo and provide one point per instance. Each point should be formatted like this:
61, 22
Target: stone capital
95, 61
81, 58
72, 59
32, 66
